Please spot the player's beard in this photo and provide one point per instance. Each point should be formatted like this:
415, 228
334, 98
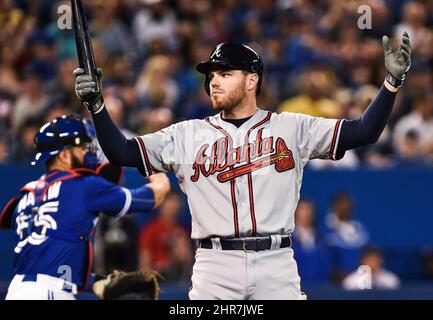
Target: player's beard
231, 100
76, 162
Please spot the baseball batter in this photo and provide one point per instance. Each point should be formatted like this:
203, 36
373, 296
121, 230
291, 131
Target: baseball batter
242, 169
54, 216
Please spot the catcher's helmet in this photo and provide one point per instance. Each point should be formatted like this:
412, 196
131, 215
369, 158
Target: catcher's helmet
233, 55
62, 132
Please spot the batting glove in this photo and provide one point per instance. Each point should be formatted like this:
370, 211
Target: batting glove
397, 62
88, 91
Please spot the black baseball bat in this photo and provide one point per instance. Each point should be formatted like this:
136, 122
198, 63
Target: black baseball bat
83, 41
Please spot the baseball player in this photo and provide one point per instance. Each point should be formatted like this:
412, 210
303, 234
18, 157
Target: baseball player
55, 215
242, 169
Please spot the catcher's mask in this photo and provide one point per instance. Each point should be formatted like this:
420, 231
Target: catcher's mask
62, 132
235, 56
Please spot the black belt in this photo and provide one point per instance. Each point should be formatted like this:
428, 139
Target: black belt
250, 244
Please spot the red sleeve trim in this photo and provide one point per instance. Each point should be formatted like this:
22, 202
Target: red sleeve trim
332, 151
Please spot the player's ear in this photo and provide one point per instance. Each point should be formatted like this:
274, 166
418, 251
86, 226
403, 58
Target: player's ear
65, 156
252, 81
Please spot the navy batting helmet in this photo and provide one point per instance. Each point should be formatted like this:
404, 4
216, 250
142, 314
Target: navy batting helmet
62, 132
232, 55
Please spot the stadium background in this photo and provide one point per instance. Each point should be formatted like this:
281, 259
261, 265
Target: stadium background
317, 61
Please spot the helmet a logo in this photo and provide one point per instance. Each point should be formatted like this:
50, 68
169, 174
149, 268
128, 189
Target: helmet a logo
217, 52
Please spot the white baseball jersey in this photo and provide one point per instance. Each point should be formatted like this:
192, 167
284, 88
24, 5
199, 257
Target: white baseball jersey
241, 182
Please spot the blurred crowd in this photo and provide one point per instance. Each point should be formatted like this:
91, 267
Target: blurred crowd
317, 61
338, 250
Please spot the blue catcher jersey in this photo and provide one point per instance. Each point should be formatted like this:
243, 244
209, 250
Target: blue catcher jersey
54, 220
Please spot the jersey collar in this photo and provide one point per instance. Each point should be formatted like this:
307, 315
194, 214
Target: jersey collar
257, 116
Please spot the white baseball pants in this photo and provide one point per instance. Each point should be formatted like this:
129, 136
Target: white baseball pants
44, 287
240, 275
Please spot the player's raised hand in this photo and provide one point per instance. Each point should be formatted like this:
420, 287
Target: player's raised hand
397, 62
87, 90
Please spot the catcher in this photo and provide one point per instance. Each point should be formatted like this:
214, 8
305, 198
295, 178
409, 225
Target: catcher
55, 215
